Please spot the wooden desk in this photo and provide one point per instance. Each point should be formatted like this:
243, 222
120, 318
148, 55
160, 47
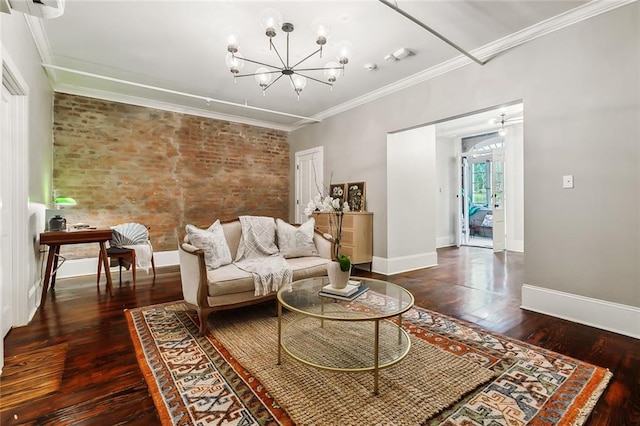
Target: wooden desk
56, 239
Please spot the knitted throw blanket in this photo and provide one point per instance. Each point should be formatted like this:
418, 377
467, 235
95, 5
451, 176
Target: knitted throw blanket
259, 255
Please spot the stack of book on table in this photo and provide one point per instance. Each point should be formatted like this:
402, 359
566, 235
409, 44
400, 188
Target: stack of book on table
351, 291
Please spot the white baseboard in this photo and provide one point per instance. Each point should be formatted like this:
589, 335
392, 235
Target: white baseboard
396, 265
622, 319
515, 245
447, 241
89, 266
34, 298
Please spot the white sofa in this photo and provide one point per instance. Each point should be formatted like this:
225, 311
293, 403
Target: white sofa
228, 286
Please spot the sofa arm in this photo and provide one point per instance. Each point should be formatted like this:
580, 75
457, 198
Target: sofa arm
323, 245
193, 274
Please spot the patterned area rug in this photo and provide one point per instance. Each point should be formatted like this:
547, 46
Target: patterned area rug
209, 380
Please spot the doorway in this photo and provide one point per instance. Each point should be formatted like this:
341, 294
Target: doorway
308, 179
481, 191
481, 156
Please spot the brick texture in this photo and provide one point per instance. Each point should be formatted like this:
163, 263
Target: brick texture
125, 163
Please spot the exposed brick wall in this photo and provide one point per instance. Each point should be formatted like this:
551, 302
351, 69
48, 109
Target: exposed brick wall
125, 163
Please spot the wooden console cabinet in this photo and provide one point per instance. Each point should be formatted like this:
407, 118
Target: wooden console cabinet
357, 234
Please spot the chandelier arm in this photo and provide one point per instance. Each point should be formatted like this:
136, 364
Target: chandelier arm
271, 84
310, 55
320, 69
314, 79
258, 73
278, 53
293, 84
261, 63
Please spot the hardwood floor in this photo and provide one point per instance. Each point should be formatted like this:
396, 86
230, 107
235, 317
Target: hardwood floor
102, 384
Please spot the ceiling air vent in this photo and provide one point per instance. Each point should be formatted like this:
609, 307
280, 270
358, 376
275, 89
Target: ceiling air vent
45, 9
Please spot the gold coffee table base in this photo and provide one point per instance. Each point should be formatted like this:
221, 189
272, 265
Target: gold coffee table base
334, 335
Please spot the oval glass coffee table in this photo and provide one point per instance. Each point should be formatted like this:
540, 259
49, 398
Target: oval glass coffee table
351, 336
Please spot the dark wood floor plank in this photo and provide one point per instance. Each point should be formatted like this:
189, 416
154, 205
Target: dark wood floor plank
102, 383
32, 375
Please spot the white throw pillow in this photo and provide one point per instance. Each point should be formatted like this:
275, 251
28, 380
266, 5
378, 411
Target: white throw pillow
296, 241
487, 221
212, 242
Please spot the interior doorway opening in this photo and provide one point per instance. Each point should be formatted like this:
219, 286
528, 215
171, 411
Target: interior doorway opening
481, 195
478, 188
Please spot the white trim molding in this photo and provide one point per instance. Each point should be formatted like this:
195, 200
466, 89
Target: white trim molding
615, 317
89, 266
485, 53
573, 16
164, 106
445, 241
35, 224
18, 201
396, 265
515, 245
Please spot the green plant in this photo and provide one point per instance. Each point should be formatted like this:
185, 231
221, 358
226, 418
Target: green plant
345, 263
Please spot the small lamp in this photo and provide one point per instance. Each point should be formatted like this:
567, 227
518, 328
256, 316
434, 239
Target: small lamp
62, 202
58, 222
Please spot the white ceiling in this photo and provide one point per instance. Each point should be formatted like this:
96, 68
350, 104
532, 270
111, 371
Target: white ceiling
481, 122
178, 47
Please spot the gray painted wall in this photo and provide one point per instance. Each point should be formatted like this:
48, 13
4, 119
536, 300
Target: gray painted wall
581, 92
17, 41
447, 149
19, 47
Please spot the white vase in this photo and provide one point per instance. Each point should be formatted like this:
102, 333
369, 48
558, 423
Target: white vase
337, 277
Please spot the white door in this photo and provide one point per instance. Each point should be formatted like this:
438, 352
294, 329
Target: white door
6, 253
462, 211
308, 179
497, 199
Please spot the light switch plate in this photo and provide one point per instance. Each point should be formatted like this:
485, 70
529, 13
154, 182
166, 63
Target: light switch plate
567, 181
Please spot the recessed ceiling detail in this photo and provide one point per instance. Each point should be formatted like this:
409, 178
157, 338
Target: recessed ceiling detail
174, 57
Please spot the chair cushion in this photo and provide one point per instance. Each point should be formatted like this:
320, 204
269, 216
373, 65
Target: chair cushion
307, 267
230, 279
114, 251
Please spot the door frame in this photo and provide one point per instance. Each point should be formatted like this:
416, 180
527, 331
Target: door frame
319, 176
462, 211
18, 199
499, 206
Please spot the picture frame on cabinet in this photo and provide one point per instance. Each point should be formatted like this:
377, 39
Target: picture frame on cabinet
338, 190
356, 196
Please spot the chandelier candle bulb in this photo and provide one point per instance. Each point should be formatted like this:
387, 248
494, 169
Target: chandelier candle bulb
344, 52
321, 31
233, 44
263, 78
234, 61
270, 19
332, 71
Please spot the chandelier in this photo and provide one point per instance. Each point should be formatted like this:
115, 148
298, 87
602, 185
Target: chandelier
502, 131
504, 121
297, 76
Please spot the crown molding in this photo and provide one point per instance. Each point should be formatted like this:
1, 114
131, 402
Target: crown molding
558, 22
485, 53
41, 40
165, 106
